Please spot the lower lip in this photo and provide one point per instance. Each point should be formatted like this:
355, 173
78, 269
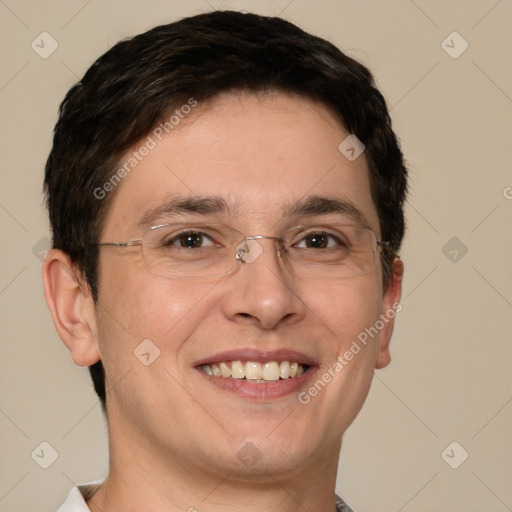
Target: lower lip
264, 392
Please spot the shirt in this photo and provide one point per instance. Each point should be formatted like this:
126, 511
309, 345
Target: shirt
75, 502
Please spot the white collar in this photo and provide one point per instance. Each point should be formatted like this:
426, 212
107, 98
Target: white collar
75, 502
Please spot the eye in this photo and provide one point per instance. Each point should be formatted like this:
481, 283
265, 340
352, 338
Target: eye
190, 240
319, 240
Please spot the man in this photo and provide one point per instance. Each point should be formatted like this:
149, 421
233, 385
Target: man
226, 199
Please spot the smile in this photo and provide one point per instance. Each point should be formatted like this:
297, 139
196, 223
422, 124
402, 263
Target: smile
254, 371
258, 375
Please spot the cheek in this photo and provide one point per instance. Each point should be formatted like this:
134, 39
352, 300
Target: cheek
141, 306
343, 311
346, 308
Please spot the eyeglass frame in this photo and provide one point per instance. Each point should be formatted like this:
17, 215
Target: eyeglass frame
238, 253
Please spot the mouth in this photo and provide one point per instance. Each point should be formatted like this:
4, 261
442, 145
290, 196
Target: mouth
256, 375
254, 371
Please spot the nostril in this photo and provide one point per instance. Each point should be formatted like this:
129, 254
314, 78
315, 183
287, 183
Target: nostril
246, 319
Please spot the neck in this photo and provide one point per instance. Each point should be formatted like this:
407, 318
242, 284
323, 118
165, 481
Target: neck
145, 479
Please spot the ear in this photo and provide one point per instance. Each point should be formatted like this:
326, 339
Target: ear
390, 307
72, 307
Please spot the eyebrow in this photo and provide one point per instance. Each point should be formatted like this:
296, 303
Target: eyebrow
320, 205
212, 205
209, 205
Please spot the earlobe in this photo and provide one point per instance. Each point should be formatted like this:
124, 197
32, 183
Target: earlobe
390, 308
71, 306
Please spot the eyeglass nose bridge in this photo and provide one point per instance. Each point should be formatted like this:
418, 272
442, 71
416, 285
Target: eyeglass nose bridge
247, 252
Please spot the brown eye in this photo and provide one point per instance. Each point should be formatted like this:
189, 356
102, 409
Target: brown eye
190, 240
319, 240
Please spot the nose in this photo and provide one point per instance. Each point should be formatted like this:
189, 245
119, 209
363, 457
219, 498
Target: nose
262, 291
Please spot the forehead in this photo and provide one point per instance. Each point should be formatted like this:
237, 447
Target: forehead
258, 155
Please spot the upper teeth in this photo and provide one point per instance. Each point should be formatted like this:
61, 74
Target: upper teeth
252, 370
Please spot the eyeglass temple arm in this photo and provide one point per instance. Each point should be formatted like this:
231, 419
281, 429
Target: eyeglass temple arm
389, 246
130, 243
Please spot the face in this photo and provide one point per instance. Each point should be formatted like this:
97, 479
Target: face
261, 158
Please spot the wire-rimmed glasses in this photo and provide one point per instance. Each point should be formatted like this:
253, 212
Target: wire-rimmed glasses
203, 250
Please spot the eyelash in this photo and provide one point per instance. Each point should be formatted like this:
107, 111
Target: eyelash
175, 239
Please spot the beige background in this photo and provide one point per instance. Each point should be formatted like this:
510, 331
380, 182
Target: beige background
452, 350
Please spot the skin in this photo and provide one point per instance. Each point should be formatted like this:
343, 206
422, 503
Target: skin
174, 436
